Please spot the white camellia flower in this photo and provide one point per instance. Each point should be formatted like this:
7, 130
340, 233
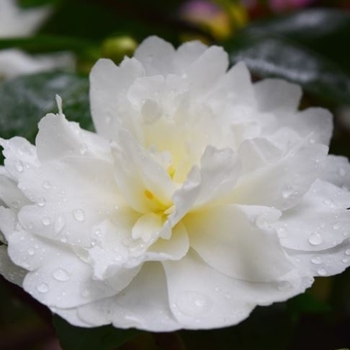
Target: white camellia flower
17, 22
201, 196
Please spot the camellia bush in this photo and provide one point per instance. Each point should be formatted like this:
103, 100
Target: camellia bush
175, 175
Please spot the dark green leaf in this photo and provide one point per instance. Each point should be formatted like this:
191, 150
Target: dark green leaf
34, 3
308, 48
306, 303
101, 338
266, 328
25, 100
48, 43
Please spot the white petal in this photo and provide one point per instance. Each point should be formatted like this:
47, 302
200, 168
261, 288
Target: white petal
336, 170
229, 240
187, 53
10, 195
58, 138
280, 182
143, 304
156, 56
9, 270
65, 282
277, 94
19, 156
71, 195
322, 263
319, 221
7, 222
108, 86
207, 69
173, 248
236, 86
194, 295
212, 182
136, 172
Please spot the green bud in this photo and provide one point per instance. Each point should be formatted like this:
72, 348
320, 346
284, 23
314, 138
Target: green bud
116, 48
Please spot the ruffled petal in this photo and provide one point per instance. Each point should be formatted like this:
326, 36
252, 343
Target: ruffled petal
278, 181
320, 220
148, 310
237, 242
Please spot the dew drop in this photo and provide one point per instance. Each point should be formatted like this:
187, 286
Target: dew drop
83, 149
347, 252
47, 185
59, 224
193, 304
345, 260
46, 221
287, 192
42, 288
282, 232
31, 251
316, 260
322, 272
336, 226
41, 202
284, 286
61, 275
315, 239
79, 215
63, 239
19, 166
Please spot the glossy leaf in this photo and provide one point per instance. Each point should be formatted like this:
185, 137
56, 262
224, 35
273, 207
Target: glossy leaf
101, 338
25, 100
295, 49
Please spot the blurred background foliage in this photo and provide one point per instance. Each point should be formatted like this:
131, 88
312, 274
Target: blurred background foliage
303, 41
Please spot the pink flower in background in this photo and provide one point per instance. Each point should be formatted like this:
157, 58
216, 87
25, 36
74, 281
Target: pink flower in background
283, 5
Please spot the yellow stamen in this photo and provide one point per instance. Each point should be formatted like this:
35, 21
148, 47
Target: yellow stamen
171, 171
149, 194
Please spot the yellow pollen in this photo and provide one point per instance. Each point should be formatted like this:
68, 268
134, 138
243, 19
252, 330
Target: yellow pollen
171, 171
149, 194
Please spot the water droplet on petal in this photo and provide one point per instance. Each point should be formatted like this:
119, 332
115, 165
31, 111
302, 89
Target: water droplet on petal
19, 166
287, 191
79, 215
284, 286
83, 149
61, 275
336, 226
282, 232
43, 288
31, 251
193, 304
322, 272
41, 202
47, 185
316, 260
46, 221
315, 239
347, 252
345, 260
59, 224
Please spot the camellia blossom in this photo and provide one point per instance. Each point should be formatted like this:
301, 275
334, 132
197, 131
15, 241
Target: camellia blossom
201, 196
17, 22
